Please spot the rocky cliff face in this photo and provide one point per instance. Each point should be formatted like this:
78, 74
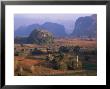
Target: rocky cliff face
85, 27
56, 29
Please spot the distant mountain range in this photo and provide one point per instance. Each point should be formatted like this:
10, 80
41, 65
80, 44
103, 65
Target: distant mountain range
57, 30
84, 27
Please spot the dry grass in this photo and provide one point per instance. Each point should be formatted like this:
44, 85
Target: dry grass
75, 42
32, 68
64, 42
25, 64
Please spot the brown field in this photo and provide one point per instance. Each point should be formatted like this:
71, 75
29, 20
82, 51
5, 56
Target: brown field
39, 70
26, 64
66, 42
74, 42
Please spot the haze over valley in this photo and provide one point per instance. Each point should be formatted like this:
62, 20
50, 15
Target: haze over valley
65, 22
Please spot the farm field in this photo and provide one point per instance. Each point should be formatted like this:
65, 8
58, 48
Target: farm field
74, 42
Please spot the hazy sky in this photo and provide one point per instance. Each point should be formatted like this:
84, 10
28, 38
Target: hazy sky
68, 20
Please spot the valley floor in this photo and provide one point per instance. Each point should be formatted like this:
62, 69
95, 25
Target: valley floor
35, 66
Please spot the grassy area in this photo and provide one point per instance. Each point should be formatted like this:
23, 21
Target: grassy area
67, 73
77, 73
90, 66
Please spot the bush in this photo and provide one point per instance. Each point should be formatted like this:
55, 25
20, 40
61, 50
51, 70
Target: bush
55, 64
73, 65
63, 66
64, 49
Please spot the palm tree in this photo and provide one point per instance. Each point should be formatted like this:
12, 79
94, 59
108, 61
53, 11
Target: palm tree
76, 51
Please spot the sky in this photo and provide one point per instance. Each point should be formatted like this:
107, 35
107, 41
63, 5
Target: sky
68, 20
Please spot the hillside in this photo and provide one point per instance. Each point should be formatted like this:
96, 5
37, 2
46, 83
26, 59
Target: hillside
85, 27
58, 30
40, 37
25, 30
36, 37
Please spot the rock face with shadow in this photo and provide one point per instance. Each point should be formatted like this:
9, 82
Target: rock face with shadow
85, 27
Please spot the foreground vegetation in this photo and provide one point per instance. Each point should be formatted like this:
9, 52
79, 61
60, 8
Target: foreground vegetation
60, 60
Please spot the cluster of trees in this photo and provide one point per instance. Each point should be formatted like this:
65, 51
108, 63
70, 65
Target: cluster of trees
70, 49
63, 61
66, 58
76, 50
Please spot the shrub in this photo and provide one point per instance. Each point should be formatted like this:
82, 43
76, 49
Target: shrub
63, 66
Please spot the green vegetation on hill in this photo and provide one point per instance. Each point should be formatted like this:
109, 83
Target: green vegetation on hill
37, 36
40, 37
